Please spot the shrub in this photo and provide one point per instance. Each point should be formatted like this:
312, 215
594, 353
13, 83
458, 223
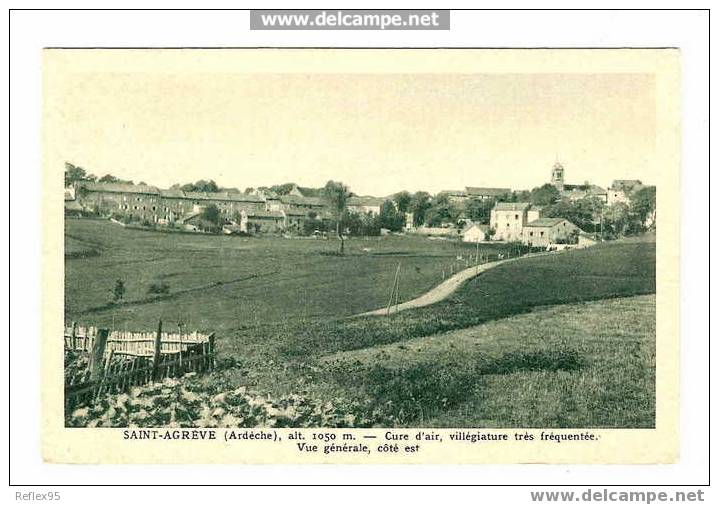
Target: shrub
118, 292
159, 288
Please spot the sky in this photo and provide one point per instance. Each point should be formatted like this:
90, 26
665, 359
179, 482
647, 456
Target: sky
377, 132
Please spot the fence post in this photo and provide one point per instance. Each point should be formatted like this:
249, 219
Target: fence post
72, 335
156, 353
211, 340
98, 350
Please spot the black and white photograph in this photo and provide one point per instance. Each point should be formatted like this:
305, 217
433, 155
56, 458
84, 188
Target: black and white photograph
338, 250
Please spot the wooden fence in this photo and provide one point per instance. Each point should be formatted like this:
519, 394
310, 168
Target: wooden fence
107, 361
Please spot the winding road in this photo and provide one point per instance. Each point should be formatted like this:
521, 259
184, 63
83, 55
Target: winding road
446, 288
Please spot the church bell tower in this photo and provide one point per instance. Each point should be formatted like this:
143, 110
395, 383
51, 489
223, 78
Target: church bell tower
558, 176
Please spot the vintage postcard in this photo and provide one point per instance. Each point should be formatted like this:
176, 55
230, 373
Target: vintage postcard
361, 256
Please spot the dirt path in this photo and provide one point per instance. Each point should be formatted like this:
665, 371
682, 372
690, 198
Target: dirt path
446, 288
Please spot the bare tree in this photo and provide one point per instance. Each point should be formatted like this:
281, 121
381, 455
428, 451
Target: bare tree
336, 195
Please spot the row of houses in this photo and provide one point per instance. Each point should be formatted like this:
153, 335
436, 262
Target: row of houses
259, 210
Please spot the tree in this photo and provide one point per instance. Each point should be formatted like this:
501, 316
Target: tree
582, 213
312, 224
283, 189
118, 292
336, 195
617, 220
479, 210
515, 196
544, 195
202, 186
75, 174
442, 211
389, 217
419, 205
211, 214
403, 199
112, 178
644, 206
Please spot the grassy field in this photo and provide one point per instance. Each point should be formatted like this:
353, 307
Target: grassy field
563, 340
524, 344
608, 270
221, 283
577, 365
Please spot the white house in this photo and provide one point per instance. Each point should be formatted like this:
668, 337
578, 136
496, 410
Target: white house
475, 233
508, 220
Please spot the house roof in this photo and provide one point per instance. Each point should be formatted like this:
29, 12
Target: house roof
472, 191
189, 216
172, 193
223, 196
511, 206
547, 222
112, 187
309, 192
301, 200
115, 187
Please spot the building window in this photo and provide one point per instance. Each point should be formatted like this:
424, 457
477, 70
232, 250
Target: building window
516, 216
541, 233
531, 234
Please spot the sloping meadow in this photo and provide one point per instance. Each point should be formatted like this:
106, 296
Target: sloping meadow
610, 270
556, 370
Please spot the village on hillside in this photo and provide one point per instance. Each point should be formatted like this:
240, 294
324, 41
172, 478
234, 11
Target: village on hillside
554, 215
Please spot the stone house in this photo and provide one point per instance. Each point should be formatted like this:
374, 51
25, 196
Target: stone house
548, 230
508, 219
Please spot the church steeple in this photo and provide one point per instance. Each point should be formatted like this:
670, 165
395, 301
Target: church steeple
558, 175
